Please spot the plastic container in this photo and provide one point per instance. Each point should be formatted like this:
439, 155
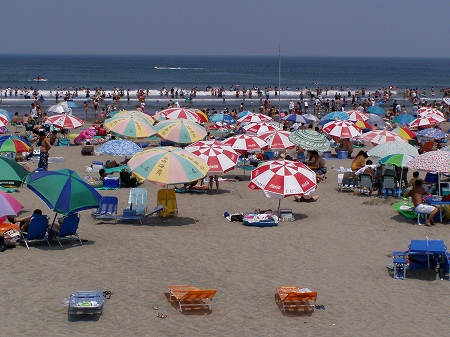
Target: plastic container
342, 154
326, 154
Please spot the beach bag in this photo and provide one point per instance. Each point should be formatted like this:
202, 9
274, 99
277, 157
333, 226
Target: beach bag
11, 237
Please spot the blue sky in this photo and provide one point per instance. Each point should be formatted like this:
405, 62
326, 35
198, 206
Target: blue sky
392, 28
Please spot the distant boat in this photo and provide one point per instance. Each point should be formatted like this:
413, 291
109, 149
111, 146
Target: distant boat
39, 79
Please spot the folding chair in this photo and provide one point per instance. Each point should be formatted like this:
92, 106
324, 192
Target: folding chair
168, 199
68, 228
365, 183
37, 230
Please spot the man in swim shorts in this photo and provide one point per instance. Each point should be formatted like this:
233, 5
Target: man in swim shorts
420, 207
45, 147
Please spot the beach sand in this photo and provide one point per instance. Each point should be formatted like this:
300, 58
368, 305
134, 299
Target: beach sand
338, 246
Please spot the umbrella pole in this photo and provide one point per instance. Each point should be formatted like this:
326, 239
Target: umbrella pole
279, 208
53, 223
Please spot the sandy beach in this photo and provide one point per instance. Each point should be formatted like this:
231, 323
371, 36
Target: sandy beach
338, 246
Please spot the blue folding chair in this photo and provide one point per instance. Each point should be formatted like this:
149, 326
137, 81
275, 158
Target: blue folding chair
37, 230
107, 209
68, 228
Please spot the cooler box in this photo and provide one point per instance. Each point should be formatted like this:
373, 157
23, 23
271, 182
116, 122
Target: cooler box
96, 166
111, 182
342, 154
270, 154
445, 191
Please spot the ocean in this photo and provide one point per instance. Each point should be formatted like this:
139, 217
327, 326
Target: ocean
187, 72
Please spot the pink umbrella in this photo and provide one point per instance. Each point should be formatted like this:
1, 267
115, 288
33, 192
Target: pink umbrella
180, 113
277, 140
260, 128
65, 121
423, 112
282, 178
426, 121
245, 143
220, 158
342, 129
382, 136
254, 118
9, 205
356, 115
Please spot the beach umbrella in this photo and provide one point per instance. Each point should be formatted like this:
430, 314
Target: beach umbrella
260, 128
202, 115
180, 131
432, 133
222, 118
9, 205
244, 113
375, 119
282, 178
246, 143
119, 147
219, 157
294, 118
131, 125
13, 143
12, 173
277, 140
59, 109
168, 165
336, 115
356, 115
423, 112
310, 140
399, 160
180, 113
65, 121
403, 119
405, 133
377, 110
342, 129
63, 191
135, 113
3, 120
254, 118
363, 125
426, 121
310, 117
69, 104
446, 100
219, 126
386, 149
7, 114
382, 136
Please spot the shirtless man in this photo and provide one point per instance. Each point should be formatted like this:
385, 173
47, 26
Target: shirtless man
416, 194
45, 147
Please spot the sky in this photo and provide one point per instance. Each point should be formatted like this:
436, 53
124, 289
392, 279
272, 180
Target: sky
358, 28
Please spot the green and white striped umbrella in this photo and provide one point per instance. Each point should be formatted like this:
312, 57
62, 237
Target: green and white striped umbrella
399, 159
386, 149
310, 140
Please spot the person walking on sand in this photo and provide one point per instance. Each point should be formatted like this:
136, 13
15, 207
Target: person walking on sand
45, 148
419, 206
211, 178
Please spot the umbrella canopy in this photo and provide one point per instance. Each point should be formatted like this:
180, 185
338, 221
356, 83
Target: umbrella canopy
119, 147
180, 113
8, 204
386, 149
65, 121
63, 191
405, 133
342, 129
432, 133
245, 113
220, 158
59, 109
294, 118
356, 115
382, 136
375, 119
433, 161
222, 118
7, 114
377, 110
277, 140
310, 140
403, 119
11, 172
130, 124
13, 143
254, 118
3, 120
310, 117
202, 115
260, 128
69, 104
399, 159
220, 126
423, 112
168, 165
180, 131
426, 121
246, 143
282, 178
363, 125
336, 115
135, 113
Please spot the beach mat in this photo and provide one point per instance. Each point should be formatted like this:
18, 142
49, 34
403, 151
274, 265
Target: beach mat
8, 189
193, 190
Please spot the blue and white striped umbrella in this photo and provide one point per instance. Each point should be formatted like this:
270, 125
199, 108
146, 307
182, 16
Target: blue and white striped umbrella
119, 147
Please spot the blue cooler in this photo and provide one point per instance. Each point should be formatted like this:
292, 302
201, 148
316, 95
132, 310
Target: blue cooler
342, 154
111, 182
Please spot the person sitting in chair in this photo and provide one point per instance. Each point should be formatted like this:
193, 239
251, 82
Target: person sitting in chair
24, 222
420, 207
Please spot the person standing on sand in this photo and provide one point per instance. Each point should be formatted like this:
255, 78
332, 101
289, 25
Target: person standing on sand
417, 194
45, 145
86, 108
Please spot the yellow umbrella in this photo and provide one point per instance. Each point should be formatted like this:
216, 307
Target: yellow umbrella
131, 125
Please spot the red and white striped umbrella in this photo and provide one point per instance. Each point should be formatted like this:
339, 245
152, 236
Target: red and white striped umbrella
356, 115
220, 158
282, 178
426, 121
260, 128
65, 121
382, 136
342, 129
277, 140
221, 126
180, 113
423, 112
245, 143
254, 118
